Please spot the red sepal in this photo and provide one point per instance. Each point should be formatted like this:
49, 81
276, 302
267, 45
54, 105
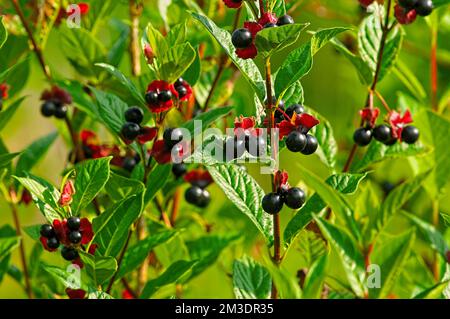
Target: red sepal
75, 293
147, 134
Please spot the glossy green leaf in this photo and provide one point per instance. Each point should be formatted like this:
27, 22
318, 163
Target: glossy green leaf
137, 254
247, 67
351, 258
299, 62
391, 257
175, 273
3, 33
91, 177
314, 281
111, 110
294, 94
270, 40
434, 292
119, 187
112, 226
192, 74
156, 180
100, 269
285, 281
251, 280
245, 193
8, 113
328, 148
176, 61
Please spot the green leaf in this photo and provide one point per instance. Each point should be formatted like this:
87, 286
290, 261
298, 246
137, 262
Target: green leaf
286, 283
7, 245
431, 234
33, 153
156, 40
247, 67
62, 276
136, 255
270, 40
112, 226
44, 195
350, 257
5, 159
192, 74
299, 62
80, 97
156, 180
176, 61
33, 231
91, 177
328, 148
207, 119
311, 246
100, 269
434, 292
8, 113
391, 257
206, 250
364, 72
119, 187
177, 34
3, 33
294, 94
245, 193
378, 152
314, 281
409, 80
174, 274
99, 295
345, 183
125, 81
369, 41
251, 280
438, 3
111, 110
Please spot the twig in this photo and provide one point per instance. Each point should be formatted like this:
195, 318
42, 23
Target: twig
119, 262
383, 101
135, 13
175, 206
23, 258
127, 286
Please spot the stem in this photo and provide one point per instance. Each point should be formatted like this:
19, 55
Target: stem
23, 258
175, 206
383, 101
435, 264
135, 13
129, 288
261, 8
36, 47
79, 154
119, 262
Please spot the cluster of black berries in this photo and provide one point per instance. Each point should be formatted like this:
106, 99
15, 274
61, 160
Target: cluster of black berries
182, 88
197, 194
422, 7
54, 108
153, 97
294, 198
383, 133
68, 252
132, 128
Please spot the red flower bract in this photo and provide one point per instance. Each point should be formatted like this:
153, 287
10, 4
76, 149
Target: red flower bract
158, 86
370, 115
86, 231
281, 180
44, 244
246, 125
163, 154
188, 92
147, 134
398, 122
233, 3
198, 175
303, 122
57, 94
76, 293
404, 16
67, 194
4, 90
251, 51
267, 18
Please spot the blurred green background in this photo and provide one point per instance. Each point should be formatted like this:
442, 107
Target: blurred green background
332, 88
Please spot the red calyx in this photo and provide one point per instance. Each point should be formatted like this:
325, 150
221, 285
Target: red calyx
158, 86
75, 293
198, 176
4, 91
246, 125
366, 3
163, 155
62, 231
268, 17
303, 122
57, 94
44, 244
147, 134
398, 122
251, 51
281, 180
189, 91
67, 194
370, 115
234, 4
404, 16
126, 294
84, 9
26, 197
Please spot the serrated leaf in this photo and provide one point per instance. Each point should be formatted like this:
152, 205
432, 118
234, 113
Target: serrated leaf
119, 187
391, 256
112, 226
245, 193
33, 153
314, 281
8, 113
206, 250
270, 40
299, 62
378, 152
111, 110
126, 82
62, 276
44, 195
137, 254
369, 42
156, 180
250, 279
91, 177
311, 246
247, 67
176, 272
351, 258
176, 61
100, 269
345, 183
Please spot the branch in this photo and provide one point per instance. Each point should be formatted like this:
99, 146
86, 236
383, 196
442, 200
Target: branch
135, 54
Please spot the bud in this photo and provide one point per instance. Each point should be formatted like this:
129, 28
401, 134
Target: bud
67, 193
149, 54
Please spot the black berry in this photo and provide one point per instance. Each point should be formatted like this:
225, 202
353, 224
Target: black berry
151, 97
47, 231
362, 136
172, 136
424, 7
272, 203
134, 114
256, 145
69, 253
73, 223
129, 163
48, 108
197, 196
130, 130
75, 237
297, 108
410, 134
204, 199
241, 38
408, 4
382, 133
179, 82
286, 19
390, 142
296, 141
60, 111
182, 91
311, 145
165, 96
52, 243
179, 169
294, 198
269, 25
